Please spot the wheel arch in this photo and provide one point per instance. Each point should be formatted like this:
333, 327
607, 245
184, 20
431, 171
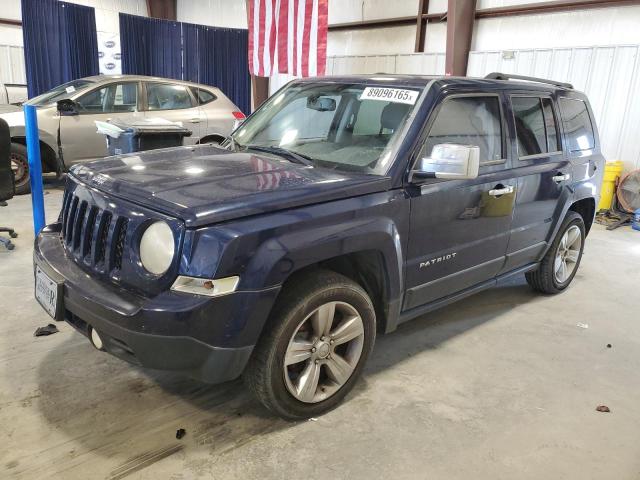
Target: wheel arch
586, 208
372, 257
47, 153
367, 268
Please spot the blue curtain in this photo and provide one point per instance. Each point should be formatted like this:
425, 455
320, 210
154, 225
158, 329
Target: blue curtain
151, 46
218, 56
185, 51
60, 43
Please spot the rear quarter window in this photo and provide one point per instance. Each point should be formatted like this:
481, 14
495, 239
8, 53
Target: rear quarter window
203, 96
576, 121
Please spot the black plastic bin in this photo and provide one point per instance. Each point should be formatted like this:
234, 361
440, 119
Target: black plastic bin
138, 137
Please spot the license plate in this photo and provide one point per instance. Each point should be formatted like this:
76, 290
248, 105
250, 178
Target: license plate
47, 292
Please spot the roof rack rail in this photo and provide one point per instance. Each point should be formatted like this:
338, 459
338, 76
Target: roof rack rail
509, 76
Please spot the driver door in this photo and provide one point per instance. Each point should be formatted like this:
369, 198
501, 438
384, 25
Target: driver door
460, 229
78, 134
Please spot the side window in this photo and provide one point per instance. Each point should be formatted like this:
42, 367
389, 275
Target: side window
553, 138
468, 121
113, 98
203, 96
536, 129
167, 96
578, 128
530, 131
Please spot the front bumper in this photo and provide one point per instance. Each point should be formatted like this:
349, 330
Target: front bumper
209, 339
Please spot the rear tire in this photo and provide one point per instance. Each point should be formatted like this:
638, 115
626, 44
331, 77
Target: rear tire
20, 167
297, 372
561, 262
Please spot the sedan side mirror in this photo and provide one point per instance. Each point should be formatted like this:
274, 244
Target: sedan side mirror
67, 107
449, 160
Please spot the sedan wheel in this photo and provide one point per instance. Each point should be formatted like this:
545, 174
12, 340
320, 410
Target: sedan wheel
20, 167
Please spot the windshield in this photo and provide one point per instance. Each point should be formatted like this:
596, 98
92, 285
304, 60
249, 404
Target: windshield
58, 93
340, 126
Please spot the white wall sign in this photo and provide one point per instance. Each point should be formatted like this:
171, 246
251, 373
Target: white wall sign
109, 53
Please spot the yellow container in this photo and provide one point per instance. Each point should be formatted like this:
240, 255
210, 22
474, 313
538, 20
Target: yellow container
612, 171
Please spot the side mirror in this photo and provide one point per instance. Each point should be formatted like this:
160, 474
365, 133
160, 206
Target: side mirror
67, 107
449, 160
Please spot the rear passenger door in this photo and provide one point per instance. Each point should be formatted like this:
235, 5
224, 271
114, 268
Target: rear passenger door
460, 228
543, 173
174, 102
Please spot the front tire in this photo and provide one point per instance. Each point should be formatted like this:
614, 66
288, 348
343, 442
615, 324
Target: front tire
314, 346
561, 262
20, 167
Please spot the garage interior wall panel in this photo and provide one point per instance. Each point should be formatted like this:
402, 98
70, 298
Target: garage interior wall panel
345, 11
577, 28
372, 41
216, 13
12, 64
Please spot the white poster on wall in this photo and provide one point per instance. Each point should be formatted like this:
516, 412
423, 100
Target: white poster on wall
109, 53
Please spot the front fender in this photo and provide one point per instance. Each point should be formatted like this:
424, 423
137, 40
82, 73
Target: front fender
266, 250
45, 137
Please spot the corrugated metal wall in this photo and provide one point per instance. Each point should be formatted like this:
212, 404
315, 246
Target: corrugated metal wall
12, 64
609, 75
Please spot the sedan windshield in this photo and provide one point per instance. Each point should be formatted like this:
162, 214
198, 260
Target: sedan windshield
348, 127
58, 93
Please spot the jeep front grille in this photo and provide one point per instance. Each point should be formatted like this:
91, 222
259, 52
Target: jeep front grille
92, 235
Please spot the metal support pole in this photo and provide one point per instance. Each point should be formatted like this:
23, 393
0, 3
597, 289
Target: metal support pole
460, 18
35, 166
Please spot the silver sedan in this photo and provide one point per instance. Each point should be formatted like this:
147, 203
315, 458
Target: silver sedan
72, 137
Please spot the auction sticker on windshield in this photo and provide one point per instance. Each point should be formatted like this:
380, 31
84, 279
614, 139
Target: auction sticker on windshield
385, 94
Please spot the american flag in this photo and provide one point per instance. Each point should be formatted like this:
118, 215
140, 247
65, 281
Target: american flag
271, 176
298, 28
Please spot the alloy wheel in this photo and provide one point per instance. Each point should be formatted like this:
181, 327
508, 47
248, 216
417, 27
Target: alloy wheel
323, 352
567, 254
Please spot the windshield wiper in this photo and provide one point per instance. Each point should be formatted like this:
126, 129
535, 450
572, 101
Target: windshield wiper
283, 152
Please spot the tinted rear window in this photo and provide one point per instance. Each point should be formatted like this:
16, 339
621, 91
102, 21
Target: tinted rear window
577, 124
530, 130
203, 96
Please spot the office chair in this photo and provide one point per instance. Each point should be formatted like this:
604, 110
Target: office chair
7, 186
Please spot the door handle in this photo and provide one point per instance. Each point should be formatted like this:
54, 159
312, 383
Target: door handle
561, 177
496, 192
195, 120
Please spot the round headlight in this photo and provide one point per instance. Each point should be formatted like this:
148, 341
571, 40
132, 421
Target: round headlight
157, 248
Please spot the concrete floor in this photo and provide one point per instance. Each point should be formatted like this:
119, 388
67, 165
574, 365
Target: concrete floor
503, 385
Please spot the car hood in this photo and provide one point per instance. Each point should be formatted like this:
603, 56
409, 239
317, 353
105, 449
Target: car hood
206, 184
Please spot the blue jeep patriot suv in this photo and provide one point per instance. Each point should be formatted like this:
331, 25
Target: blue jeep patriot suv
342, 207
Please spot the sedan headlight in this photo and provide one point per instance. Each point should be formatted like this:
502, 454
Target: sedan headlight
157, 248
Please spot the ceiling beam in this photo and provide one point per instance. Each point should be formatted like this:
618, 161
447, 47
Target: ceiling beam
10, 21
